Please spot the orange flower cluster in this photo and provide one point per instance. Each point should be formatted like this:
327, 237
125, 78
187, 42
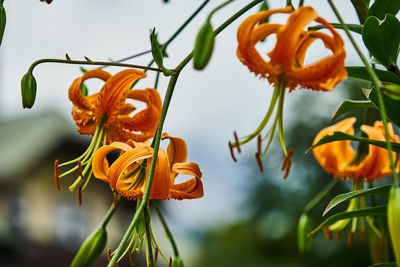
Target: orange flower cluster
337, 157
292, 42
110, 108
128, 175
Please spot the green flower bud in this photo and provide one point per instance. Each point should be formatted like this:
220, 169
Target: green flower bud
2, 20
84, 90
156, 49
204, 46
394, 220
305, 226
91, 248
177, 262
28, 90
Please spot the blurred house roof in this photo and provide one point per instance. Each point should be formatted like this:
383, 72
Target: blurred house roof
24, 141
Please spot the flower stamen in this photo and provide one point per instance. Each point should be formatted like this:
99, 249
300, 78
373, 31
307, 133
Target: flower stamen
56, 175
232, 152
259, 162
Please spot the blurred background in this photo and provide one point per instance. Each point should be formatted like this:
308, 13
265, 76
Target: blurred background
246, 218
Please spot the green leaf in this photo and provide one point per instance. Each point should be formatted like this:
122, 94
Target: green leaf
359, 193
378, 37
141, 226
382, 7
352, 27
375, 211
2, 21
392, 106
348, 105
264, 6
385, 264
338, 136
361, 73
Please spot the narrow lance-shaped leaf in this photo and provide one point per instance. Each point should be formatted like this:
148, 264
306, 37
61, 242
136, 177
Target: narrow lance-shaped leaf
157, 53
359, 193
385, 264
2, 21
352, 27
338, 136
392, 106
361, 73
375, 211
348, 105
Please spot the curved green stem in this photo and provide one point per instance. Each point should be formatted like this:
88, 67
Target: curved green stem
157, 137
166, 228
218, 8
281, 136
378, 87
84, 62
320, 196
110, 213
149, 252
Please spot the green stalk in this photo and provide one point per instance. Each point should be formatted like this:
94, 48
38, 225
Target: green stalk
84, 62
157, 137
166, 228
109, 214
150, 262
320, 196
378, 87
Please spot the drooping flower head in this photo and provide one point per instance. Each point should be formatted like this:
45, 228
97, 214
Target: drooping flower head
108, 116
286, 67
337, 158
128, 174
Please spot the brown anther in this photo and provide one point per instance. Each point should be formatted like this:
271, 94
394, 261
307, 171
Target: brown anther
337, 234
237, 141
131, 258
47, 1
170, 262
259, 162
286, 159
115, 200
80, 195
231, 149
327, 232
362, 234
350, 239
56, 175
80, 169
109, 254
382, 243
156, 255
259, 141
287, 170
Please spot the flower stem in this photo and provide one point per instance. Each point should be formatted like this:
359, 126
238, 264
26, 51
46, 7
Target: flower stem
166, 228
149, 252
85, 62
378, 87
218, 8
157, 137
320, 196
110, 213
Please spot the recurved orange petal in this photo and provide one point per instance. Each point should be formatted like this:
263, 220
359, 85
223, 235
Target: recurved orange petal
113, 94
100, 165
335, 157
192, 188
177, 150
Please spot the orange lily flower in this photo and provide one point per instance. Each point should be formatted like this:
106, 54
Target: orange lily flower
337, 157
285, 67
107, 116
128, 175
